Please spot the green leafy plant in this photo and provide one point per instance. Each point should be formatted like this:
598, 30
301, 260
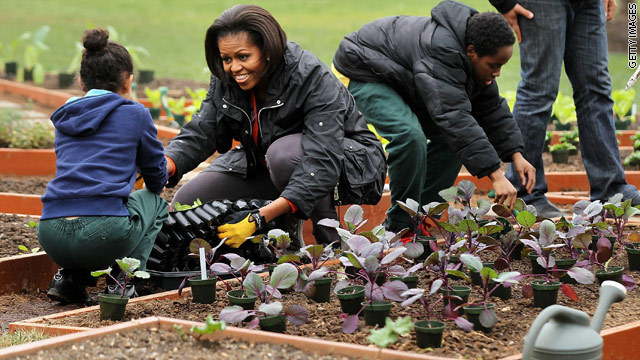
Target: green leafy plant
389, 333
9, 51
622, 104
153, 96
633, 159
33, 50
635, 138
31, 135
562, 146
180, 207
564, 109
198, 96
129, 268
136, 51
177, 106
25, 250
74, 65
571, 137
210, 326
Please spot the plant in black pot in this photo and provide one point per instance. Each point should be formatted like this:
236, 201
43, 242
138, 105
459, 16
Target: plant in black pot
197, 97
314, 276
560, 152
419, 242
153, 96
571, 137
137, 52
270, 316
8, 55
203, 289
177, 108
564, 110
33, 69
238, 268
429, 330
623, 108
112, 306
66, 77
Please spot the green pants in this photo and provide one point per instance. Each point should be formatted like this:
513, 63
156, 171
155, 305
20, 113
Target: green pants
95, 242
417, 170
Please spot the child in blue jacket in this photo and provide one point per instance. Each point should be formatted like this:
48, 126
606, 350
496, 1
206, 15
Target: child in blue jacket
90, 217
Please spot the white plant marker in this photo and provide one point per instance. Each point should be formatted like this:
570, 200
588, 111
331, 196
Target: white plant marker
203, 265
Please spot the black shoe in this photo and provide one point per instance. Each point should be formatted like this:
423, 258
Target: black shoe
69, 287
547, 210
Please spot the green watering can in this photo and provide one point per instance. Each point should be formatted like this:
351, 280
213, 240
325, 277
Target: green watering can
560, 332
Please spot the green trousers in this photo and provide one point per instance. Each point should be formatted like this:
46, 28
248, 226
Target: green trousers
420, 162
95, 242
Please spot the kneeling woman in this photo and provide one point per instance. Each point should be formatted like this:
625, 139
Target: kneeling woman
300, 133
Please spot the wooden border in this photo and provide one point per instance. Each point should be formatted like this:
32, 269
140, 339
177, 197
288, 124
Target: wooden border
26, 272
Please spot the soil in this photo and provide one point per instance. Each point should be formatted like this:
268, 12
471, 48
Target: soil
154, 343
506, 339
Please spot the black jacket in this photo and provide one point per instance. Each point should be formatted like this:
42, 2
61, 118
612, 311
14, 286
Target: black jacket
425, 60
303, 96
503, 5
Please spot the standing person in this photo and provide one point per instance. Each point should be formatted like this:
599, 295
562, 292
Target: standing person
428, 86
573, 31
303, 143
90, 218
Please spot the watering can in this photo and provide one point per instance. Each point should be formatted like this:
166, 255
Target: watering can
560, 332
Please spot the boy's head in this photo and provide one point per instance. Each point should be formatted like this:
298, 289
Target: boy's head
489, 43
105, 64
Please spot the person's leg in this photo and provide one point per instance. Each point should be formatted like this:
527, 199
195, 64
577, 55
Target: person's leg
147, 212
212, 185
393, 119
282, 158
586, 64
541, 52
442, 171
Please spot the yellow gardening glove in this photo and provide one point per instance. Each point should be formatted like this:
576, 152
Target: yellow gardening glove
237, 233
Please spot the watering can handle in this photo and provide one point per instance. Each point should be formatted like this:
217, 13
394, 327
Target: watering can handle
553, 311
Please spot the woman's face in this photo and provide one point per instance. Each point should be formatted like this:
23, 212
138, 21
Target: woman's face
242, 60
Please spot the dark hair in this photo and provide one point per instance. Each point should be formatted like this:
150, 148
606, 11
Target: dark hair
262, 28
105, 64
488, 32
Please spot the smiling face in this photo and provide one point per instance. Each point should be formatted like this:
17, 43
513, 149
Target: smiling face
487, 68
243, 61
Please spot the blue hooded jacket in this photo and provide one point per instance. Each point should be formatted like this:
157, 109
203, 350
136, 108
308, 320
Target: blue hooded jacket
101, 141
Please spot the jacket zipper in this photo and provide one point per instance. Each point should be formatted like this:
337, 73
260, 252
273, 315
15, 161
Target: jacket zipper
267, 107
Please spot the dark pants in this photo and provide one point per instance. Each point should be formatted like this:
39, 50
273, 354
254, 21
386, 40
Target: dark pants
95, 242
265, 183
420, 162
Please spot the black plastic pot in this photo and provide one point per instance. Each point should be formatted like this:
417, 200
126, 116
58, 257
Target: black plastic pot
145, 76
155, 113
112, 306
473, 315
376, 312
516, 254
461, 291
27, 74
565, 264
429, 333
633, 254
179, 118
10, 69
323, 290
381, 278
274, 323
560, 156
351, 299
501, 292
535, 267
411, 280
621, 124
562, 127
203, 291
424, 240
545, 294
65, 80
612, 273
476, 278
238, 297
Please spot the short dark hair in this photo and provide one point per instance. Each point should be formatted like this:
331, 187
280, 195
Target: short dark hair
105, 64
263, 30
488, 32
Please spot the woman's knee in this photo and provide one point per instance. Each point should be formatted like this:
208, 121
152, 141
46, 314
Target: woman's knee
284, 154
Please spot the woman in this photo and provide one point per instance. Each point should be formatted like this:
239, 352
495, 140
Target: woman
301, 135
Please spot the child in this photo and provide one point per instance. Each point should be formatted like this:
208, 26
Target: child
90, 217
427, 84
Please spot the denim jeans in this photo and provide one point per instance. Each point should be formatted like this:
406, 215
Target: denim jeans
95, 242
573, 31
418, 169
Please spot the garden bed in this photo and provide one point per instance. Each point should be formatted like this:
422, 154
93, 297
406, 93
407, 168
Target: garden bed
514, 318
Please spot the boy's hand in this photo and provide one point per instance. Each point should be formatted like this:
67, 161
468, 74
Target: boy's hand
525, 170
505, 192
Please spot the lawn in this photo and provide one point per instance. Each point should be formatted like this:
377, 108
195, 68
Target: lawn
173, 31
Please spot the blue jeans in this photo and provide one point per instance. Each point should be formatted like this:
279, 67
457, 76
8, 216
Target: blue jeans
573, 31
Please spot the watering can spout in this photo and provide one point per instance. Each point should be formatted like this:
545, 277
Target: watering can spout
610, 292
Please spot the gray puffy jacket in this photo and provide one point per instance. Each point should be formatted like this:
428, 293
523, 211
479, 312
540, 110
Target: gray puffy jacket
303, 97
425, 60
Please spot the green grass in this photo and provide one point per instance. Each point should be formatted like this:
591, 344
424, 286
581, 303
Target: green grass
20, 337
173, 31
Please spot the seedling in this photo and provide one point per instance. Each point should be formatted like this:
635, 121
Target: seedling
210, 326
389, 333
562, 146
283, 277
128, 268
623, 103
180, 207
22, 250
153, 96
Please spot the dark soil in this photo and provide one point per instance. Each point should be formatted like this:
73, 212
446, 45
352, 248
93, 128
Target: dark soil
514, 318
154, 343
17, 230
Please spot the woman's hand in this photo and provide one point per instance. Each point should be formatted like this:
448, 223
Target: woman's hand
525, 170
506, 194
512, 18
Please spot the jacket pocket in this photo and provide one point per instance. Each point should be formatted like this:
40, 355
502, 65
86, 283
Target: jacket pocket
363, 173
234, 161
